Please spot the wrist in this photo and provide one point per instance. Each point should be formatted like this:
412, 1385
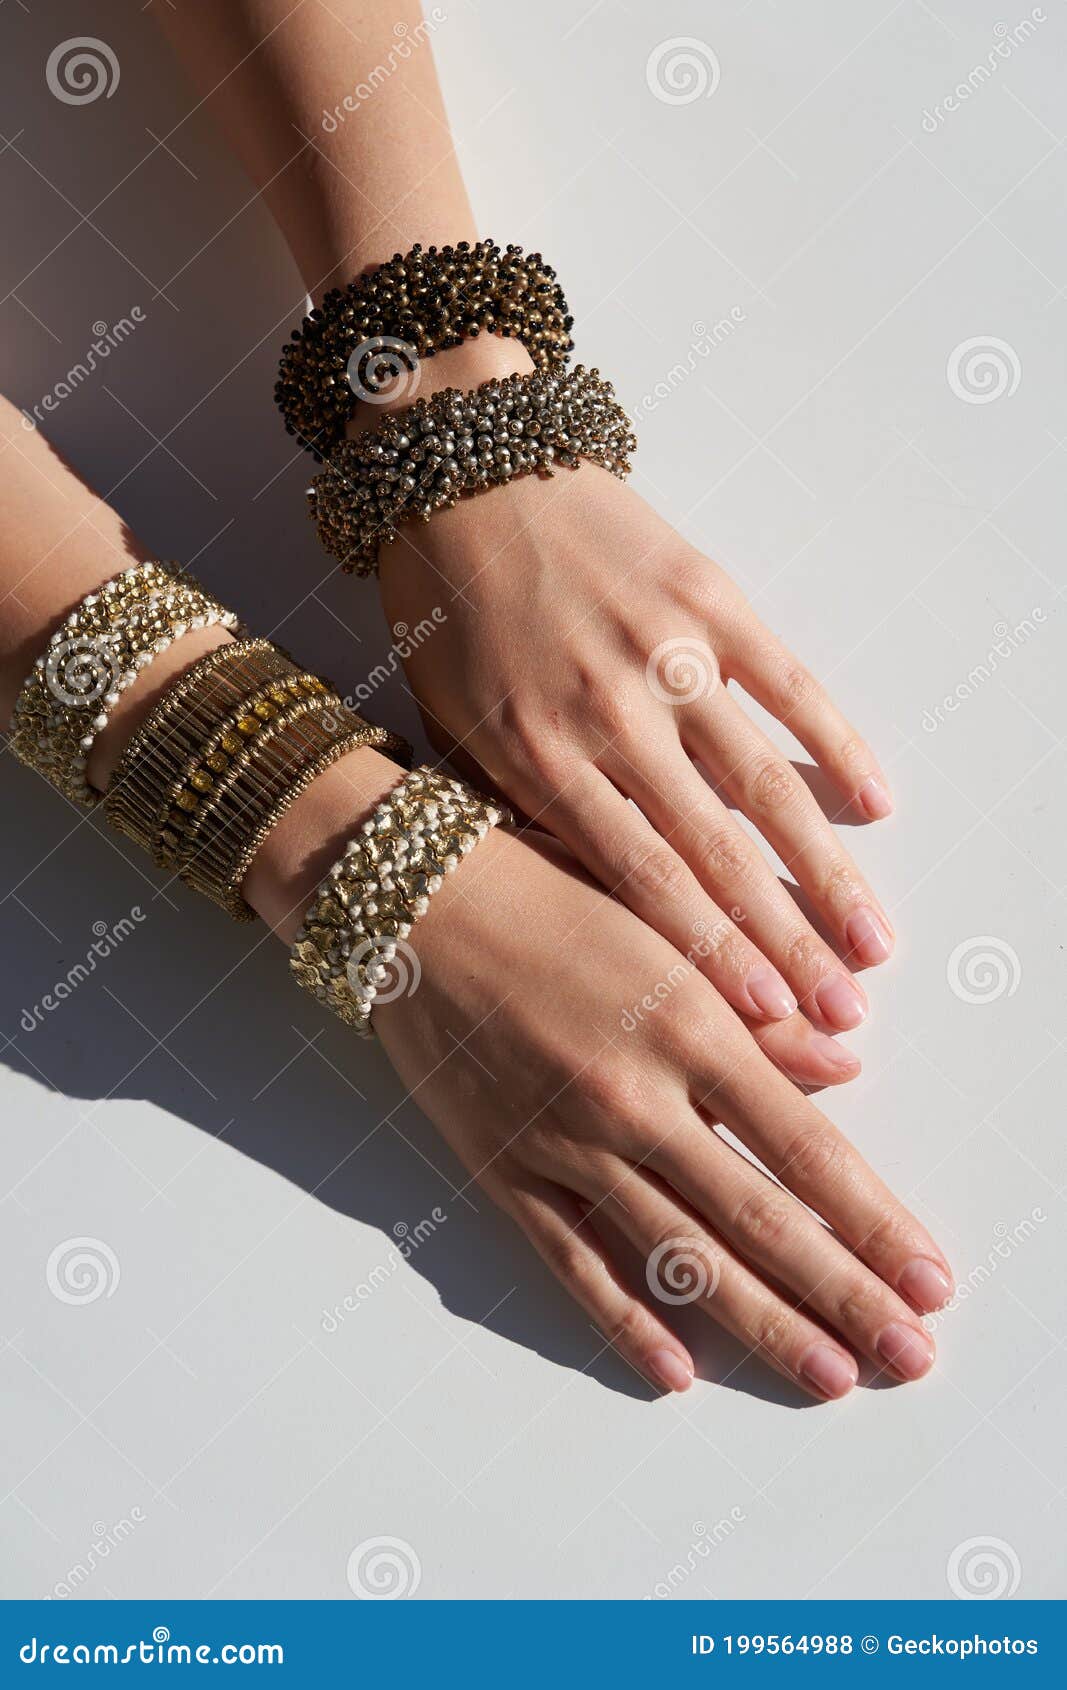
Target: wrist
299, 850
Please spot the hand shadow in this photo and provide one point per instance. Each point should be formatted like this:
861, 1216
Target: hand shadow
219, 1037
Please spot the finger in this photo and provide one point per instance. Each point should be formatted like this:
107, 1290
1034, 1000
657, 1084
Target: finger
685, 1262
681, 805
766, 787
800, 1147
768, 670
778, 1235
555, 1224
617, 845
804, 1054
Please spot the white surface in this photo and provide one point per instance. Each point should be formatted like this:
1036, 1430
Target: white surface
246, 1162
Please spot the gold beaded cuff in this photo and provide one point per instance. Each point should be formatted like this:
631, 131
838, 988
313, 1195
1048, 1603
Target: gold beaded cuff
453, 444
420, 303
222, 757
352, 950
93, 656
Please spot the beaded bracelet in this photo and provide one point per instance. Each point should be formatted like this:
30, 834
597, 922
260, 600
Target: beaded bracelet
420, 303
452, 444
364, 910
92, 657
222, 757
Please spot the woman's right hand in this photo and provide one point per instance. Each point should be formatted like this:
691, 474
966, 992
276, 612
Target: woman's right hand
585, 1114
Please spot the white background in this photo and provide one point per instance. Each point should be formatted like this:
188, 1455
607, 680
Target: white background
248, 1164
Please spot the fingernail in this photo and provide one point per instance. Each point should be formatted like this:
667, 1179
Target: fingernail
874, 800
907, 1351
869, 939
769, 993
671, 1370
832, 1373
924, 1284
840, 1001
830, 1054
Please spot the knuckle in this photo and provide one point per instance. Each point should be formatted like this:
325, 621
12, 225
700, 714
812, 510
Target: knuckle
609, 1089
652, 872
772, 784
763, 1218
629, 1327
771, 1330
805, 958
859, 1308
797, 687
721, 854
814, 1157
890, 1233
853, 752
568, 1258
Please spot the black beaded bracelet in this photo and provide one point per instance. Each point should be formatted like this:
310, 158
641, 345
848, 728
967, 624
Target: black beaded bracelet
420, 303
452, 444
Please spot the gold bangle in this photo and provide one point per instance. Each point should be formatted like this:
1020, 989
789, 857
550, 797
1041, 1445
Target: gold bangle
221, 758
93, 656
358, 922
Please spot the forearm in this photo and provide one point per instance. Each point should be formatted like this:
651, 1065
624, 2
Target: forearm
60, 541
371, 180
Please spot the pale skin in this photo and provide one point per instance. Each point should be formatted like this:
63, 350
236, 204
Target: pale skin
516, 1044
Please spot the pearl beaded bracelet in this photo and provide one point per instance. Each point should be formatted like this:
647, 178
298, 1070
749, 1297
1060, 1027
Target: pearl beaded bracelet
451, 444
359, 920
90, 660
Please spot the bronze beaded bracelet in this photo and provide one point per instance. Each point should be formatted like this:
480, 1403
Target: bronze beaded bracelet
420, 303
453, 444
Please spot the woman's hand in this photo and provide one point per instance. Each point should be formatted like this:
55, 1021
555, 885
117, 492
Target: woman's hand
578, 1116
582, 660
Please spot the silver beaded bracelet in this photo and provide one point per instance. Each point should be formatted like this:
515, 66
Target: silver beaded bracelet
439, 449
356, 927
90, 660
